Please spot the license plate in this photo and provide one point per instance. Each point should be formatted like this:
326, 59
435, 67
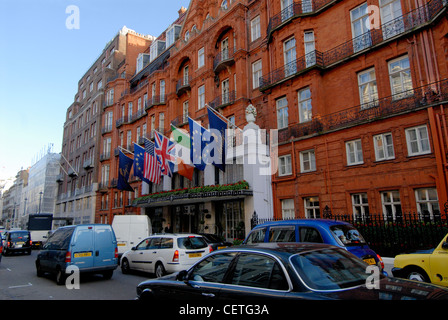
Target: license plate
18, 246
20, 243
222, 247
82, 254
194, 255
370, 261
121, 244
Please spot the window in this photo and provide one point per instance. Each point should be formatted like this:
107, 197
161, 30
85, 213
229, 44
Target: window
354, 152
360, 28
310, 54
287, 209
171, 35
282, 113
391, 204
282, 234
312, 209
130, 107
201, 58
105, 175
256, 73
307, 161
256, 270
305, 108
308, 234
284, 165
225, 90
400, 78
427, 202
368, 91
384, 147
391, 18
110, 97
187, 35
224, 5
99, 85
186, 76
201, 97
256, 236
418, 141
289, 48
185, 113
360, 205
287, 9
255, 30
213, 268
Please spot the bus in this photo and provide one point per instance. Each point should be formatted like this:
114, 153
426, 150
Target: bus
38, 226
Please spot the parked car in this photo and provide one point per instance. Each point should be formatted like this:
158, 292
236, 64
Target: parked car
287, 271
428, 266
17, 241
90, 247
337, 233
215, 242
165, 253
1, 248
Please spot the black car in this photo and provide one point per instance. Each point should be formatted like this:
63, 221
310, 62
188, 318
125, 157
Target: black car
215, 242
17, 241
285, 271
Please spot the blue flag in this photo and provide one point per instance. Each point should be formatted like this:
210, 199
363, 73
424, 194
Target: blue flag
197, 144
139, 163
124, 169
218, 132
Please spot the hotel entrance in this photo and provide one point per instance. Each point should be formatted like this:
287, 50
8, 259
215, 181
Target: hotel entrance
230, 219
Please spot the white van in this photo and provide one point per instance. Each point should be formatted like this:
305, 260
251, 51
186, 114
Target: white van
130, 230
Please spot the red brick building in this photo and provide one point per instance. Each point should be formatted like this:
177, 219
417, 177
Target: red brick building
356, 90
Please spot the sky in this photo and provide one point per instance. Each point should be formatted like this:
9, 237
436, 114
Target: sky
42, 60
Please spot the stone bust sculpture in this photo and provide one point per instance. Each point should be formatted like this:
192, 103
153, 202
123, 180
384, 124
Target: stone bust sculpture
251, 113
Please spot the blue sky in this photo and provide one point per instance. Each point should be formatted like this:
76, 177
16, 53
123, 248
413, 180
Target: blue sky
41, 61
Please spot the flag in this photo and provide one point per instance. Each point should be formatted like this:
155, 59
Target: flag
218, 129
197, 144
182, 152
146, 166
164, 149
124, 169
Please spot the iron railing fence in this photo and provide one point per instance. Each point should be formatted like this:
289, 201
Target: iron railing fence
390, 236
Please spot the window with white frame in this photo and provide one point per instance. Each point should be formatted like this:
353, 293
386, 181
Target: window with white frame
201, 57
360, 27
360, 205
289, 49
225, 90
224, 5
305, 108
256, 73
391, 204
287, 208
400, 78
354, 152
307, 161
255, 30
417, 140
310, 53
391, 18
384, 146
162, 91
161, 122
185, 111
312, 209
282, 113
368, 90
201, 97
287, 9
427, 202
110, 97
284, 165
171, 35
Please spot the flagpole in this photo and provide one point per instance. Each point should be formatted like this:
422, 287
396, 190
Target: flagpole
222, 117
120, 147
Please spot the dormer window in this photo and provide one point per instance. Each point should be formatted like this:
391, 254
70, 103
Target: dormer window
224, 5
142, 61
172, 34
187, 35
157, 47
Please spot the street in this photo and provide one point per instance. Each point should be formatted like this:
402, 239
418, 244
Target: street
18, 281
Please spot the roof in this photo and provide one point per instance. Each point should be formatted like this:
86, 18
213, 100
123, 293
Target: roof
282, 247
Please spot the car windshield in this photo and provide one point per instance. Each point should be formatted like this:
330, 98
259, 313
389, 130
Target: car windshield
329, 269
191, 243
347, 235
213, 238
19, 236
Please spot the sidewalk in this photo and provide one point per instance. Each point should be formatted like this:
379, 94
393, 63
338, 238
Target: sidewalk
388, 265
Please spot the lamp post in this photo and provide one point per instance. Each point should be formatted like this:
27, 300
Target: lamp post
40, 198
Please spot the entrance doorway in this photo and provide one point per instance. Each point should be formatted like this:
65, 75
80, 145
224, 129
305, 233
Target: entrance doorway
230, 219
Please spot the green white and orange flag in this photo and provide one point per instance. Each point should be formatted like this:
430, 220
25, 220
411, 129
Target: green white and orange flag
182, 152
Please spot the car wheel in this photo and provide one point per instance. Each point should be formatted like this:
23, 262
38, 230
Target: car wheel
60, 277
417, 275
125, 269
39, 271
160, 270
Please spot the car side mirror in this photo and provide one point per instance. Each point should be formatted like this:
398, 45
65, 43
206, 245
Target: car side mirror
445, 245
133, 248
182, 275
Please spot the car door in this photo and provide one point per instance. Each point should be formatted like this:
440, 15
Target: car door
255, 276
140, 257
105, 244
439, 263
82, 247
203, 281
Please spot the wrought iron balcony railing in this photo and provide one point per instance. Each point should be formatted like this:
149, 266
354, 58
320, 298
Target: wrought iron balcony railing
155, 100
183, 85
406, 101
224, 58
223, 100
408, 22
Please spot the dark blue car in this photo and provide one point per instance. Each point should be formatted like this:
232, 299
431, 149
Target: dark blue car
337, 233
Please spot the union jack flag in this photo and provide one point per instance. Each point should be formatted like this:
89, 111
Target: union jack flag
164, 150
152, 169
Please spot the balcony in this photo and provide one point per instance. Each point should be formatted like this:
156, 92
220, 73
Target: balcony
155, 100
106, 129
403, 102
404, 24
183, 85
88, 164
180, 120
105, 156
223, 100
224, 59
